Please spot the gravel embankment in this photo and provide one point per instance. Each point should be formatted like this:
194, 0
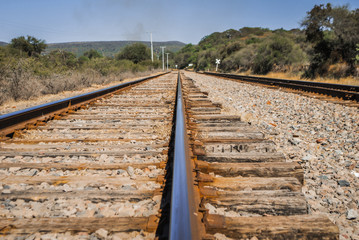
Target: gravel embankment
323, 137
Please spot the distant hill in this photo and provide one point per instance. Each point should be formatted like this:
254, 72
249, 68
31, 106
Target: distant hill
2, 43
250, 48
110, 48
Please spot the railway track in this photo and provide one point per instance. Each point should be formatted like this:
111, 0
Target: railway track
121, 168
97, 172
348, 93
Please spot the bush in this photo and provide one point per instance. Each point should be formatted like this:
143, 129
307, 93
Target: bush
207, 59
92, 54
279, 51
17, 81
240, 60
136, 53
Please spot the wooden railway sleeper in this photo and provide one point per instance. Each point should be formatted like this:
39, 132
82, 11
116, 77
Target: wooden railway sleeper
232, 227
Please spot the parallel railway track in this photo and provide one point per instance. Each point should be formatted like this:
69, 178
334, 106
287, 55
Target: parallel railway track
109, 170
345, 92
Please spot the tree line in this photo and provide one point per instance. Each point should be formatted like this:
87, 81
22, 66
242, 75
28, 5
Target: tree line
26, 72
134, 57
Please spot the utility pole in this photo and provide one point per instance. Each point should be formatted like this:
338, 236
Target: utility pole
151, 45
167, 60
151, 48
163, 58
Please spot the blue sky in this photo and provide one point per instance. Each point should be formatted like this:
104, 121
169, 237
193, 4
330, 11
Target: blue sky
109, 20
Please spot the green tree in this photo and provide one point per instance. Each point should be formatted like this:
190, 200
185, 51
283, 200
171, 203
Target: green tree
136, 53
240, 60
29, 45
60, 58
188, 54
277, 51
334, 33
92, 53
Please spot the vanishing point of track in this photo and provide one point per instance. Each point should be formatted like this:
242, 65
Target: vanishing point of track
152, 159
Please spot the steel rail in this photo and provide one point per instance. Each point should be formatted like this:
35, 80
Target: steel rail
16, 119
183, 223
346, 92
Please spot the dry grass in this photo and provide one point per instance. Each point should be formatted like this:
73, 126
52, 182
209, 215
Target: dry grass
19, 91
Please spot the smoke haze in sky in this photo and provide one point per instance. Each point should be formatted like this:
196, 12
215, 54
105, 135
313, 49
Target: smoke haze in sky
110, 20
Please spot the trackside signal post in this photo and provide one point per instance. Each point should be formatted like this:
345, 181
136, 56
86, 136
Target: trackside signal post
218, 61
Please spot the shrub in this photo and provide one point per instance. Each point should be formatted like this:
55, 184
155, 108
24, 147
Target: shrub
92, 54
136, 53
279, 51
240, 60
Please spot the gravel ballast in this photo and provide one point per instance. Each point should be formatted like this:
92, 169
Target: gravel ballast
322, 136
